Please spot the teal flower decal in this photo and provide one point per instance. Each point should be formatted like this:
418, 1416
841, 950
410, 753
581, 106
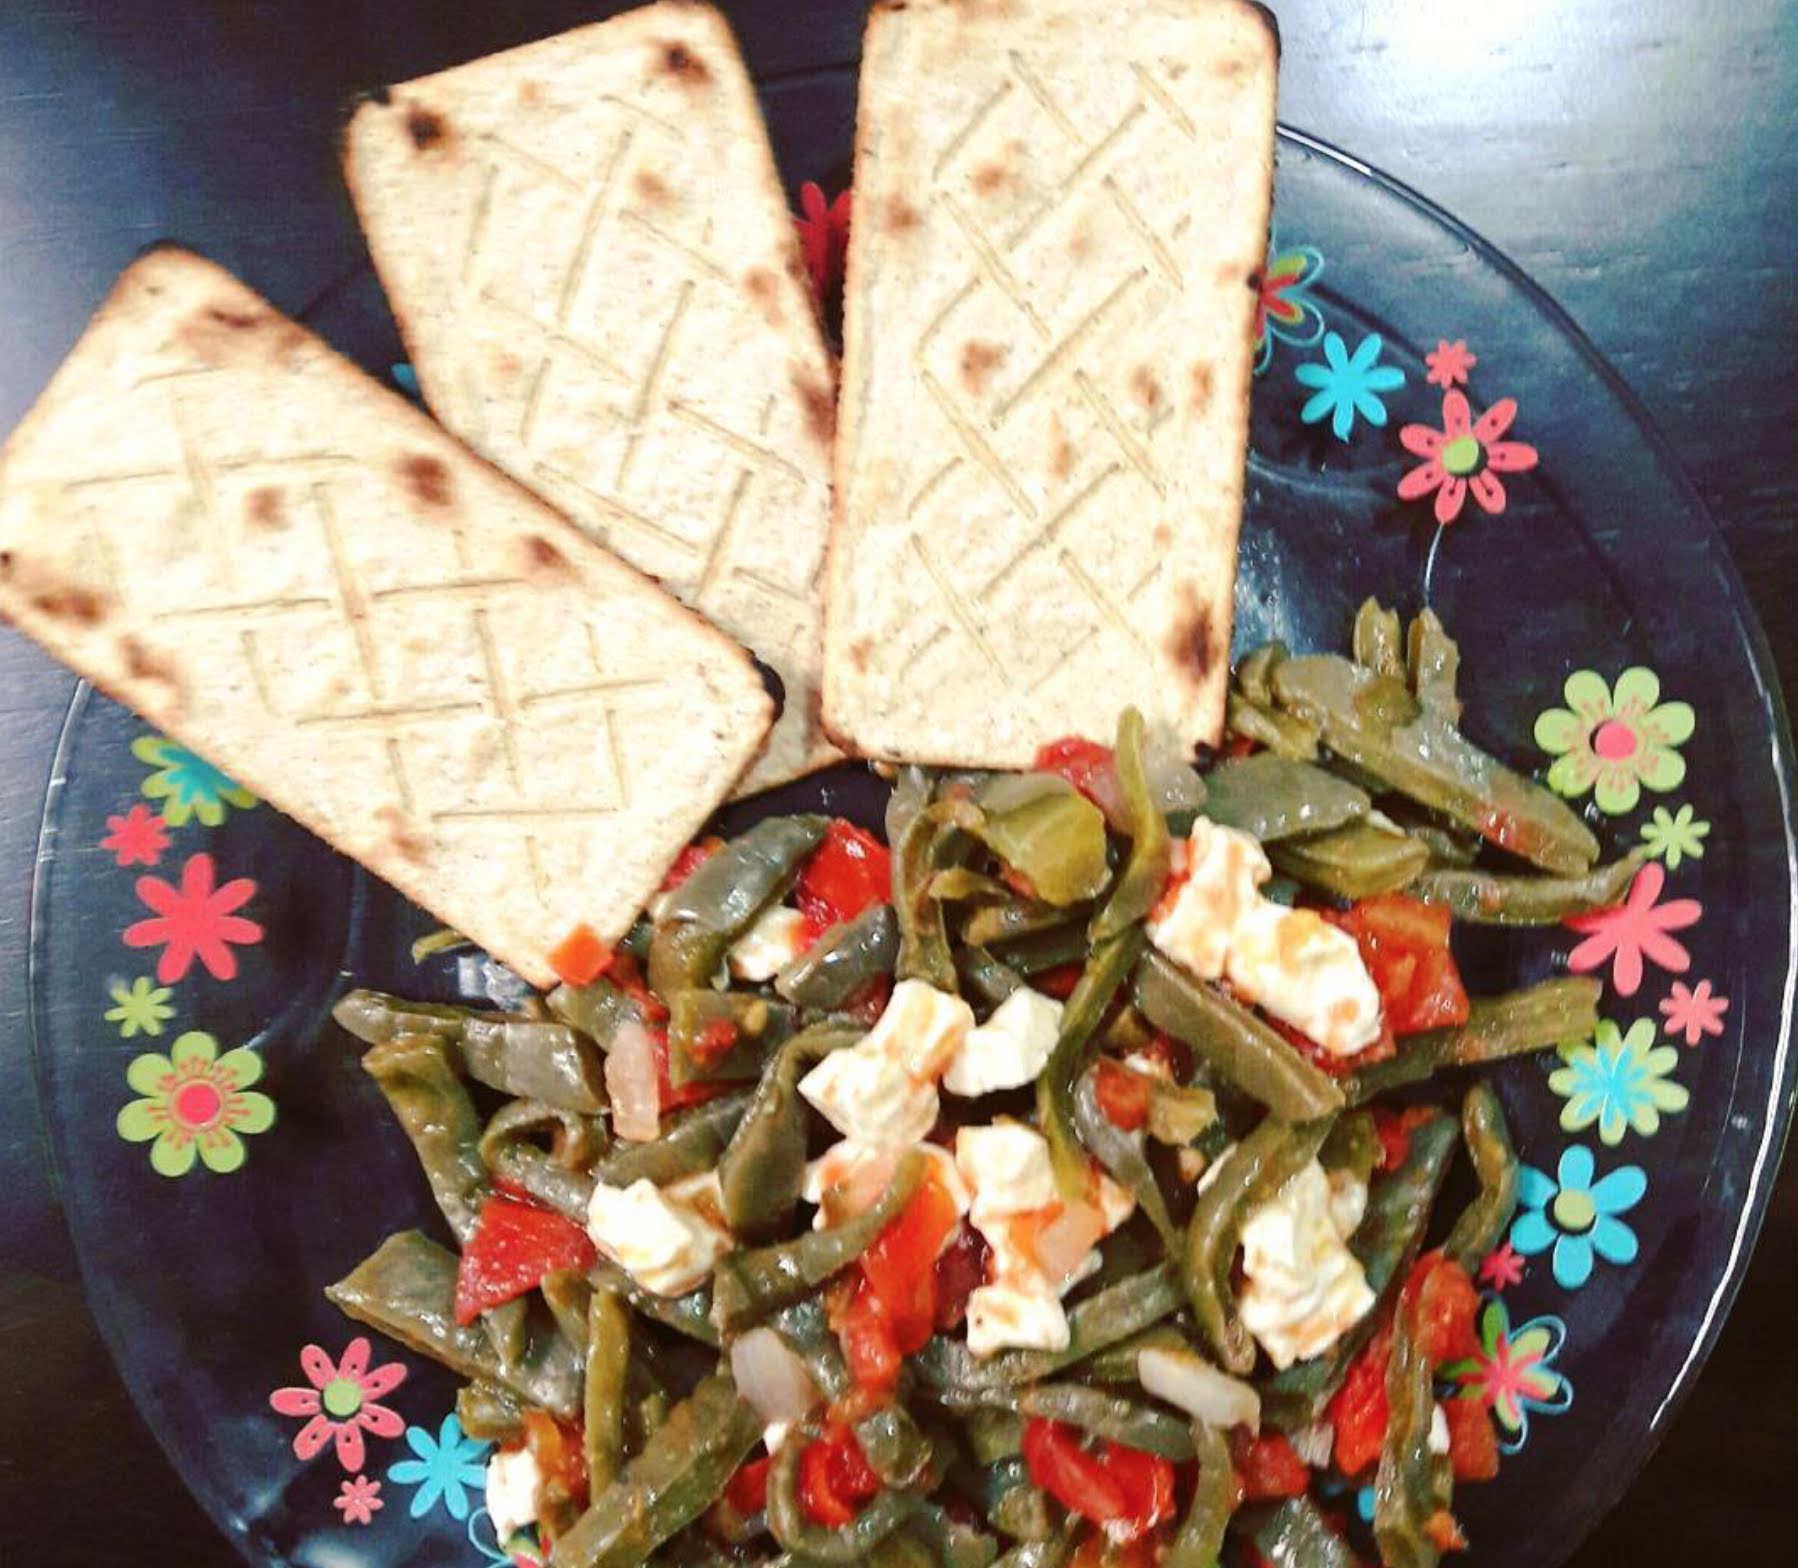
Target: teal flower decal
447, 1468
142, 1007
1514, 1374
195, 1103
1618, 1081
1284, 308
1348, 384
188, 786
1675, 836
1615, 742
1575, 1217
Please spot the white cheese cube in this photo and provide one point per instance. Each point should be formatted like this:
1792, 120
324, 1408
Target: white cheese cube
1009, 1049
1218, 872
1004, 1316
512, 1482
1303, 1288
775, 939
1308, 974
852, 1176
664, 1246
868, 1096
1007, 1168
922, 1028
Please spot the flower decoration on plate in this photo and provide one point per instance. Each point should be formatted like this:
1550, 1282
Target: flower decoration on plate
519, 1550
358, 1500
1615, 742
137, 838
1514, 1374
1639, 928
406, 379
189, 786
1620, 1081
1346, 385
1575, 1218
1675, 836
1692, 1012
1502, 1267
1449, 363
339, 1403
445, 1468
139, 1008
1284, 308
823, 236
1465, 457
195, 920
195, 1104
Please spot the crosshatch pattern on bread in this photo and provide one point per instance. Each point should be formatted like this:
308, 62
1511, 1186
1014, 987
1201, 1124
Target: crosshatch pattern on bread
1060, 222
297, 574
592, 262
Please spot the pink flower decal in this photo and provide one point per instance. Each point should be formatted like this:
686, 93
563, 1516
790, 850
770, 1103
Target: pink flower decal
823, 237
358, 1500
138, 838
1449, 363
1694, 1011
1636, 929
193, 921
1502, 1267
339, 1404
1465, 455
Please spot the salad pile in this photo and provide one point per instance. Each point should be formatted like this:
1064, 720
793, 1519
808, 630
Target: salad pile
1053, 1183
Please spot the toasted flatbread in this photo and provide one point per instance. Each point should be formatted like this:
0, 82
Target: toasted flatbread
298, 575
594, 269
1061, 217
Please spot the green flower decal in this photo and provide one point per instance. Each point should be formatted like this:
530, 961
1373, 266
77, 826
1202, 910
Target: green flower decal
1675, 836
187, 785
1620, 1081
143, 1007
195, 1103
1615, 742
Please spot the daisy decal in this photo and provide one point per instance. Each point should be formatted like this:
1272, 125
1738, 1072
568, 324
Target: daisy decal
137, 838
196, 920
823, 236
339, 1404
1465, 457
1348, 385
1618, 1081
188, 786
1449, 363
195, 1104
1284, 308
445, 1468
139, 1008
1636, 930
1692, 1012
1576, 1219
1673, 836
1514, 1374
1617, 742
358, 1500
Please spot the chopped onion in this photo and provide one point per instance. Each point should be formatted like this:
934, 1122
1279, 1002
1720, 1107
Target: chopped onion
771, 1378
1198, 1388
1174, 783
632, 1084
1062, 1246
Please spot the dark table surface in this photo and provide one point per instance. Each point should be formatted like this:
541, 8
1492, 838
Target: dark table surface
1637, 157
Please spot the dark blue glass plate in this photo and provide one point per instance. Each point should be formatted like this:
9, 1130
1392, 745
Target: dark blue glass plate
1654, 1155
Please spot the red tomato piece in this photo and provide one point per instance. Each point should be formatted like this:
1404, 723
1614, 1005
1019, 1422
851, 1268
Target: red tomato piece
835, 1478
900, 1267
1444, 1532
747, 1491
1358, 1411
1124, 1489
559, 1449
1443, 1305
1058, 982
1395, 1129
869, 1347
695, 1092
1405, 945
1089, 767
1472, 1442
580, 958
1147, 1481
1267, 1467
1123, 1095
715, 1037
513, 1246
850, 872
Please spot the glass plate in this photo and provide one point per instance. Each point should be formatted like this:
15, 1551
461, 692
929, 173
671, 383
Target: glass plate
208, 1284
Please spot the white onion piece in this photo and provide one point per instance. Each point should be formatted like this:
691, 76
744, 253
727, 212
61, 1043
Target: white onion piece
1063, 1244
771, 1378
1198, 1388
631, 1084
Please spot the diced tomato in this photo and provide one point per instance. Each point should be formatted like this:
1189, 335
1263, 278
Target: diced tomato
1442, 1304
1358, 1410
850, 872
559, 1449
696, 1091
900, 1267
1124, 1489
513, 1246
716, 1036
960, 1271
1405, 945
1328, 1061
870, 1349
1239, 746
1472, 1441
835, 1478
747, 1491
580, 958
1123, 1095
690, 860
1060, 981
1098, 1550
1395, 1129
1089, 767
1267, 1467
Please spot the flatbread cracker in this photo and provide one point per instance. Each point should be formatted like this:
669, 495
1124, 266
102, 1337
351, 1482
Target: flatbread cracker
1061, 217
591, 260
298, 575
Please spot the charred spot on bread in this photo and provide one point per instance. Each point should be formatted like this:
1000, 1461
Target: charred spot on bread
820, 407
262, 507
978, 362
70, 602
901, 216
1200, 385
427, 477
425, 126
546, 557
1192, 643
684, 65
652, 188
